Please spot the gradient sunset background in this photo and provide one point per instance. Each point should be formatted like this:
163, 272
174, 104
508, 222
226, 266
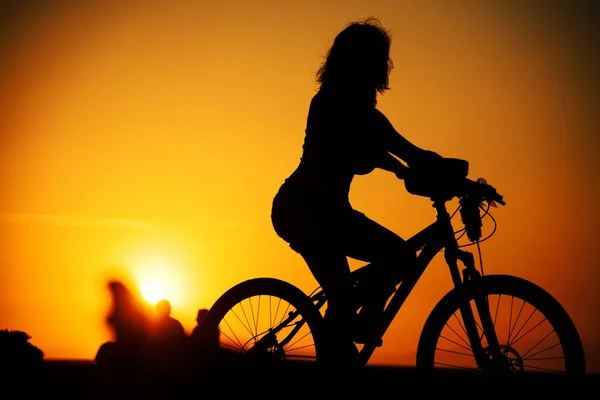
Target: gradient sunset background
144, 141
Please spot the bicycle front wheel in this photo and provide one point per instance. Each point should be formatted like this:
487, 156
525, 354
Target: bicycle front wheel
534, 331
267, 321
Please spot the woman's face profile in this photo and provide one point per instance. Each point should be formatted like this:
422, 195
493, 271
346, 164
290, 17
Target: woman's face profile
382, 68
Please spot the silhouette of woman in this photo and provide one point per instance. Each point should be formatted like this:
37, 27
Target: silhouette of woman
346, 135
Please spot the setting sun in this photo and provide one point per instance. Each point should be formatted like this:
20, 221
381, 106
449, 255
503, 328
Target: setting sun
153, 292
158, 277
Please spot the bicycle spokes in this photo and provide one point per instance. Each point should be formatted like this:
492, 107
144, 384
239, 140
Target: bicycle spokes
266, 326
525, 338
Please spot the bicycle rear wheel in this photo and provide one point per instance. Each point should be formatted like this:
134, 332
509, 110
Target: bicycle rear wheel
534, 331
267, 321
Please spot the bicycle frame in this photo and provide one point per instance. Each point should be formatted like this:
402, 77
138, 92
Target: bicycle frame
466, 302
429, 242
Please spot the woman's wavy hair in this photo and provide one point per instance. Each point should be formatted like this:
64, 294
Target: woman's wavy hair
358, 61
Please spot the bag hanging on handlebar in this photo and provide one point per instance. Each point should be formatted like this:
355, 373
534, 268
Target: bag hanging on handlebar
436, 179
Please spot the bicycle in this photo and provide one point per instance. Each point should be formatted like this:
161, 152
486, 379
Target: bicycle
462, 331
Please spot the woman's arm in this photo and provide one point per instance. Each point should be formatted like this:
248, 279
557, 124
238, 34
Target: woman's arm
390, 163
399, 146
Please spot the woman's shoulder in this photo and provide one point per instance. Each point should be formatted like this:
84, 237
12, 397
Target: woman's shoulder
333, 100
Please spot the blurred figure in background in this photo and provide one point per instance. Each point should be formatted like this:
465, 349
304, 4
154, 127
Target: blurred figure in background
204, 342
169, 338
130, 324
199, 319
167, 329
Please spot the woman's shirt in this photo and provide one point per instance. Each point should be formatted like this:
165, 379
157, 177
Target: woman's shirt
342, 139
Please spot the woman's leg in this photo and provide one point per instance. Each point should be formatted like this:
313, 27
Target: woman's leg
331, 270
366, 240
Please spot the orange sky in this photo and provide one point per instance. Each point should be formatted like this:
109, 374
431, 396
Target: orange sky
146, 142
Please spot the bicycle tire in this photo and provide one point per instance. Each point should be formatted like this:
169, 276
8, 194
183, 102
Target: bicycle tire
438, 330
238, 343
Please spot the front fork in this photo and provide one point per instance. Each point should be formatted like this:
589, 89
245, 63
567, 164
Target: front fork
484, 359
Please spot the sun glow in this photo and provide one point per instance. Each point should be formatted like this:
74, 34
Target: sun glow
159, 279
153, 292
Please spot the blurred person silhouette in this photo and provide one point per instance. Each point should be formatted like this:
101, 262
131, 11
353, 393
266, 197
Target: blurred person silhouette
204, 343
200, 316
129, 321
346, 135
167, 328
168, 335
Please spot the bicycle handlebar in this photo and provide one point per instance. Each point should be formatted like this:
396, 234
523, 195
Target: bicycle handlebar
482, 189
448, 180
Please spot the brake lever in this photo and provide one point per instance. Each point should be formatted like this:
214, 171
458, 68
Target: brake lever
495, 198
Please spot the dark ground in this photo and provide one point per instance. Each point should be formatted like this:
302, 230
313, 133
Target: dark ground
85, 380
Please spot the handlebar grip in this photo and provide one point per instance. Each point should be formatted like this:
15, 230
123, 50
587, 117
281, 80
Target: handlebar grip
486, 191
